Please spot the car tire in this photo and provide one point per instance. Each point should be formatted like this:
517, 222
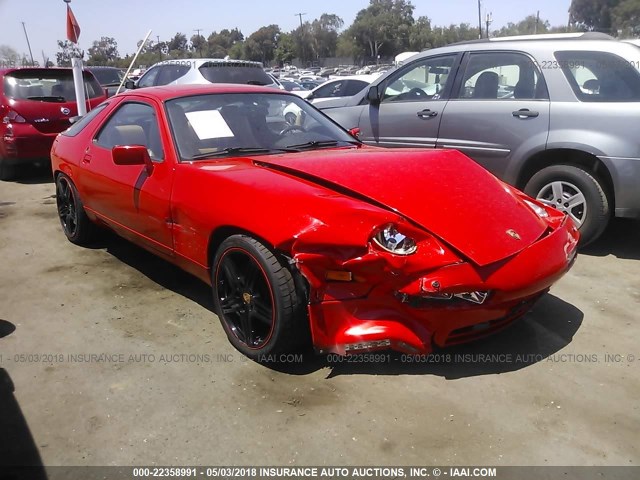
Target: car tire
559, 184
7, 172
75, 224
255, 296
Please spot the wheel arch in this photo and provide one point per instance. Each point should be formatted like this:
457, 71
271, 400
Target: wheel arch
223, 232
568, 156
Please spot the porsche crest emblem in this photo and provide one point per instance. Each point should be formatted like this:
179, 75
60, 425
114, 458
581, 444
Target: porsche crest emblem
513, 234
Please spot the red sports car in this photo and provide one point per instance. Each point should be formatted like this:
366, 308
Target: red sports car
304, 234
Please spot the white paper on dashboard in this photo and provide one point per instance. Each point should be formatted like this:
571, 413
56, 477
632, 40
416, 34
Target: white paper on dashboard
209, 124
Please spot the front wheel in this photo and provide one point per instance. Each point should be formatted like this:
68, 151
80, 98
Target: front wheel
577, 193
256, 299
75, 224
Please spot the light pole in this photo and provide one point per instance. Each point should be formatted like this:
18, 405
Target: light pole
28, 44
479, 21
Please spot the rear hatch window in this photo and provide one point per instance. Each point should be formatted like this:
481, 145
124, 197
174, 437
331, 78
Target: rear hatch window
243, 73
47, 85
600, 76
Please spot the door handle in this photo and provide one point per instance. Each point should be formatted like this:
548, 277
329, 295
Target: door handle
525, 113
426, 113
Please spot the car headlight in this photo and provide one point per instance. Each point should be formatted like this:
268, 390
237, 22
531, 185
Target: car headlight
541, 212
391, 240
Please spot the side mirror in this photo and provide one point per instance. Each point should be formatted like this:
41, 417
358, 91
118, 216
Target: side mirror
129, 84
354, 132
373, 95
132, 155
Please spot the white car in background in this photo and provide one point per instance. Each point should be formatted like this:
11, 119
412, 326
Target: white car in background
331, 94
189, 71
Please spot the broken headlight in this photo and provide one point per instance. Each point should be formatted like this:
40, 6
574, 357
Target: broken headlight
391, 240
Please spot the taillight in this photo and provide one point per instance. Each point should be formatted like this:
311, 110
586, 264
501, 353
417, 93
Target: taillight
13, 117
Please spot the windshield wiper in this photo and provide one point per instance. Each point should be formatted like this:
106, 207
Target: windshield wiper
320, 144
47, 98
231, 151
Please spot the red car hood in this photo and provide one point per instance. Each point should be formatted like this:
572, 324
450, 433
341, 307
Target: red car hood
444, 191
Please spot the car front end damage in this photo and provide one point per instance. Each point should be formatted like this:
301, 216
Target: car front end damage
364, 297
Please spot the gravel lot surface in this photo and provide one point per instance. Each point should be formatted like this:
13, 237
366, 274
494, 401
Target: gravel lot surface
110, 356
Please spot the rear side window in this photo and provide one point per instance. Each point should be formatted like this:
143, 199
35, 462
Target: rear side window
47, 85
502, 76
249, 74
170, 73
600, 76
353, 87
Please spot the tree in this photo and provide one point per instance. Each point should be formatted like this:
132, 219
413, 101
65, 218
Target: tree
324, 35
421, 35
302, 42
383, 27
626, 18
178, 44
9, 57
285, 51
103, 52
593, 15
198, 44
220, 44
67, 51
261, 44
528, 26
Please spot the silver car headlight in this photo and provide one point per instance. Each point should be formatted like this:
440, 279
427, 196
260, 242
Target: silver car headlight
391, 240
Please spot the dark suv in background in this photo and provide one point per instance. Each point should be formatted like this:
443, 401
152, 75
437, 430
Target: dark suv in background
35, 105
555, 115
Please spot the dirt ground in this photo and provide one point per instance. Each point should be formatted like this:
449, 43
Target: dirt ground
109, 356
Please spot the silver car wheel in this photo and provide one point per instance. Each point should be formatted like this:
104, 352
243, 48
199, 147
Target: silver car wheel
567, 198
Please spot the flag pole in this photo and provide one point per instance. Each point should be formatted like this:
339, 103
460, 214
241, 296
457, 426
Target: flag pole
73, 33
124, 78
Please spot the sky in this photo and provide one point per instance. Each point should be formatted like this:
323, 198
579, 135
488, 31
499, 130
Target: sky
129, 21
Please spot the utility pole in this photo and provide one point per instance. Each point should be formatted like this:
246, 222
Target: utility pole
159, 49
489, 21
479, 21
300, 15
537, 22
200, 45
28, 44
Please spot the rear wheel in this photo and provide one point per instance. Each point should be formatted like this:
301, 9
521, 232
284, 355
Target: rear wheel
577, 193
256, 299
75, 224
7, 172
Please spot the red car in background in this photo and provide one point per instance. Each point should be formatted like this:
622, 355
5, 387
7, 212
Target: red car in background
305, 234
35, 105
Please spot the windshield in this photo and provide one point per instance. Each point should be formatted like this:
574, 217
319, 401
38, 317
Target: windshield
107, 76
52, 85
219, 125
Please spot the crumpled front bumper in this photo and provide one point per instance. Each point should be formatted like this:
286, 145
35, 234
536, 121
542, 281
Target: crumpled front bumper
400, 312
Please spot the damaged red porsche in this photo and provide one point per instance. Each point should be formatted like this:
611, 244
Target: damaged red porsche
305, 235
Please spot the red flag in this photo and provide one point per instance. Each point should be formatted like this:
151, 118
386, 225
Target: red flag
73, 29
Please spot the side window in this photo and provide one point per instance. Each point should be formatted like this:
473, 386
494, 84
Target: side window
600, 76
148, 79
170, 73
77, 127
353, 87
502, 76
332, 89
419, 81
133, 124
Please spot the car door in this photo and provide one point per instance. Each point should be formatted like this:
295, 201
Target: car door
411, 102
131, 199
499, 110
